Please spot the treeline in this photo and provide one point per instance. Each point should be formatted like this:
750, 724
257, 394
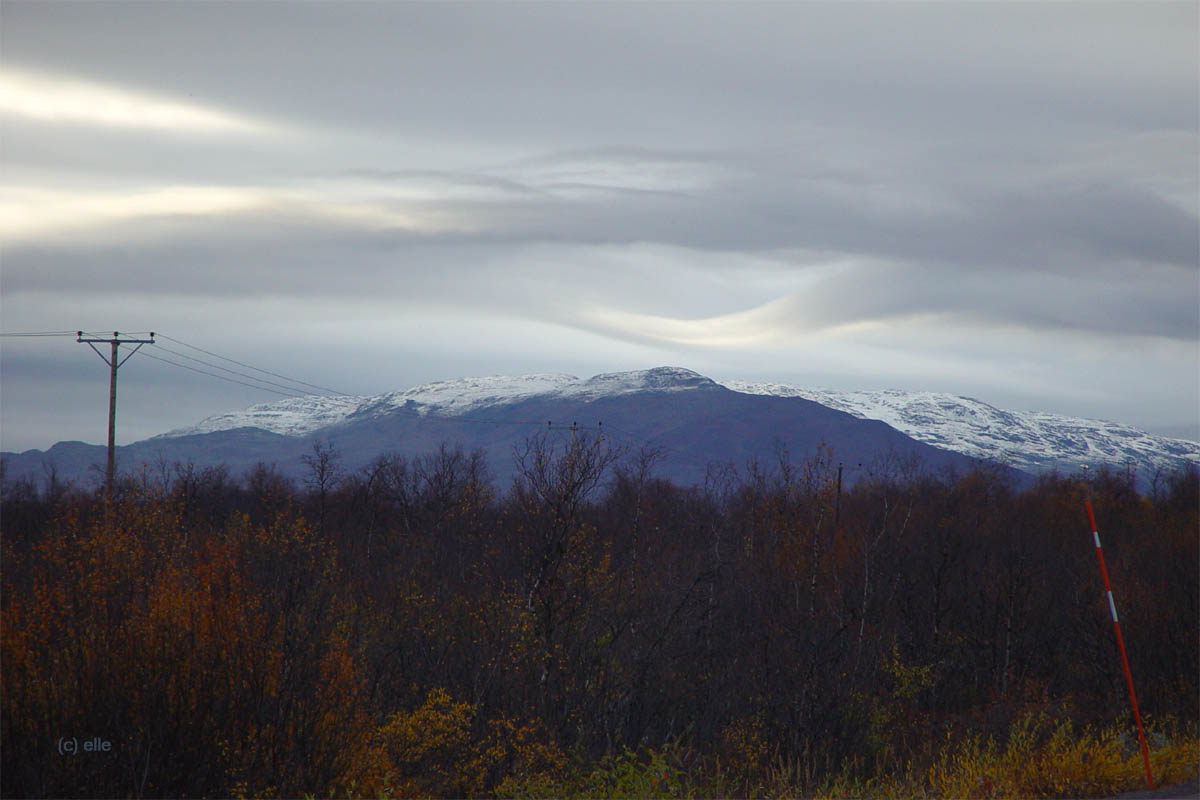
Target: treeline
409, 630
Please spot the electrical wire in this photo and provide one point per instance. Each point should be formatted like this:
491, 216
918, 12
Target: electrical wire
632, 439
215, 375
288, 391
227, 369
251, 366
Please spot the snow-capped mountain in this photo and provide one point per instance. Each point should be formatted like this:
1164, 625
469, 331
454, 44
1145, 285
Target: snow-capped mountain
1030, 441
1027, 440
695, 422
298, 416
304, 415
295, 416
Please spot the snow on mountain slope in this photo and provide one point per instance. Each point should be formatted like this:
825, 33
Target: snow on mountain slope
1025, 440
294, 416
466, 394
1032, 441
304, 415
659, 379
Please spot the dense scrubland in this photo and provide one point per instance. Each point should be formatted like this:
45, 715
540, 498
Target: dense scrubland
410, 630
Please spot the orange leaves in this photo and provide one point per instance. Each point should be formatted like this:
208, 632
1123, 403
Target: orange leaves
219, 655
424, 748
442, 748
517, 647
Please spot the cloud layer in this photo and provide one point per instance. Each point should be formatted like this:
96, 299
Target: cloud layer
999, 200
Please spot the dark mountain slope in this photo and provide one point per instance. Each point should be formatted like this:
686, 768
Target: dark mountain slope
693, 421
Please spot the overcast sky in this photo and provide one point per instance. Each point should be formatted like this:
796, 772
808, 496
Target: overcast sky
994, 200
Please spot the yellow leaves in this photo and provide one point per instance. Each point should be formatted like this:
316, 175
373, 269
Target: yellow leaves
1177, 760
908, 680
1041, 758
627, 775
421, 750
441, 748
746, 744
439, 724
526, 755
273, 657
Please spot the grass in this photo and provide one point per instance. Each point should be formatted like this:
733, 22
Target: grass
1041, 758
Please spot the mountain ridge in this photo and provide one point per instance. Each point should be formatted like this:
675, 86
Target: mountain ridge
694, 423
298, 416
1035, 441
1029, 440
692, 417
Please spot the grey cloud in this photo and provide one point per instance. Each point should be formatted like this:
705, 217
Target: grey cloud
1024, 167
935, 217
584, 72
1159, 305
945, 242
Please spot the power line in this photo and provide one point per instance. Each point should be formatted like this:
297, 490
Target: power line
227, 369
251, 366
638, 440
221, 377
291, 391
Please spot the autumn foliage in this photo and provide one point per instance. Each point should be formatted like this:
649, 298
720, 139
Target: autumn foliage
410, 630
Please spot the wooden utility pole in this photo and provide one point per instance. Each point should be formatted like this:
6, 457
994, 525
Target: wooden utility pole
114, 364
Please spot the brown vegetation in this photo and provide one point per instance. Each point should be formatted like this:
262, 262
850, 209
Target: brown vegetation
407, 631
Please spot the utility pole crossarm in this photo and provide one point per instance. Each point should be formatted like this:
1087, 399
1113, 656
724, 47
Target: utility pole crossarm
575, 428
115, 337
114, 363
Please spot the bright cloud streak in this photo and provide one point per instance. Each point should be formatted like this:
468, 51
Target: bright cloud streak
950, 196
738, 329
68, 100
27, 212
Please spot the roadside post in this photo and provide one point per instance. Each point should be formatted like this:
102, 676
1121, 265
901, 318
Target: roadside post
1112, 607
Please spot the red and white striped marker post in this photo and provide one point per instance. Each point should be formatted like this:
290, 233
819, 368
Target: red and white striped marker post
1120, 645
